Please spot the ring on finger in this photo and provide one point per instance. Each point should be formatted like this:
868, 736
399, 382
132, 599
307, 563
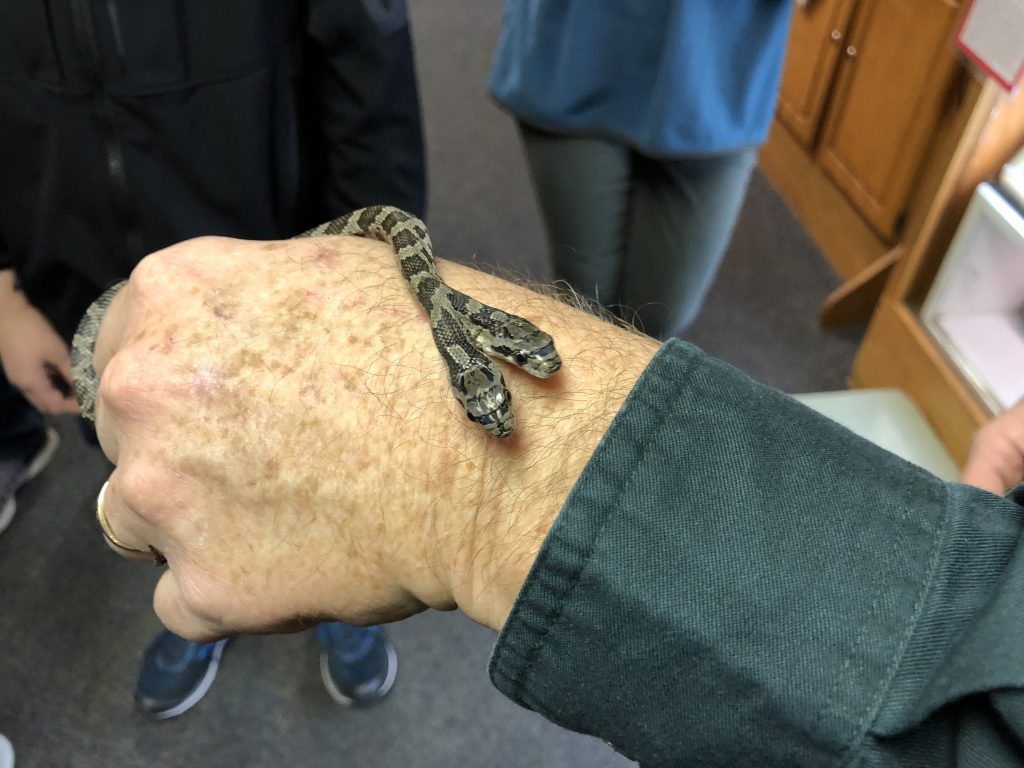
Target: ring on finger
151, 555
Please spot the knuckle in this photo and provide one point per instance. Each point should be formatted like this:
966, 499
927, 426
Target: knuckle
161, 273
138, 487
191, 252
123, 382
148, 276
203, 597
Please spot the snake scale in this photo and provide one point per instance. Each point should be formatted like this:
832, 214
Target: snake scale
466, 332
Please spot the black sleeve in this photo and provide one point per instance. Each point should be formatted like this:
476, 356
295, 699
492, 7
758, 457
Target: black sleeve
362, 106
6, 260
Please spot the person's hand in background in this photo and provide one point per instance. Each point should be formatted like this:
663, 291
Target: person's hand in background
35, 358
996, 459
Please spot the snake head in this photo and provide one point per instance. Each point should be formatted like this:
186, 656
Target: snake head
541, 361
487, 401
521, 343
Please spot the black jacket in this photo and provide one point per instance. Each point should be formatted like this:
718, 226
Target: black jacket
130, 126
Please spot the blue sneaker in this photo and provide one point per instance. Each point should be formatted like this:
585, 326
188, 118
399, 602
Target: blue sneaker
358, 664
6, 753
175, 674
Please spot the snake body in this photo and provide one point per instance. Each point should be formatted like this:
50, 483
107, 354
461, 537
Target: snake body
466, 332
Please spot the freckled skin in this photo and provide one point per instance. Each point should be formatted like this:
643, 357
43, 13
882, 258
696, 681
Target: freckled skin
467, 332
366, 502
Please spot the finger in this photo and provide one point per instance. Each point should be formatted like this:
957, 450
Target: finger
112, 331
69, 406
123, 530
37, 399
994, 476
57, 378
184, 618
44, 399
51, 400
985, 477
109, 409
179, 617
63, 366
106, 431
59, 374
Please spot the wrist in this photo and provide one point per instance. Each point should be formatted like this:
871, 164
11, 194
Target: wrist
482, 547
11, 298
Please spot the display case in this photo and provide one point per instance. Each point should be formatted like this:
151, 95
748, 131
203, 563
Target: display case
975, 307
900, 348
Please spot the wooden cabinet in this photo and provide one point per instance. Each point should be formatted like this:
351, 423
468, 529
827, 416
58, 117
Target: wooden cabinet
897, 63
815, 43
897, 350
867, 86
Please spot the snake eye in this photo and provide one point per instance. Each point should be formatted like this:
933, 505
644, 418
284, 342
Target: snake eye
521, 358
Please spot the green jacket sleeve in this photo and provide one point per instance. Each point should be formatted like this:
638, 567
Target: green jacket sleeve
736, 580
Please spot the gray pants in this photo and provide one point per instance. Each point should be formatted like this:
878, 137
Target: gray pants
641, 236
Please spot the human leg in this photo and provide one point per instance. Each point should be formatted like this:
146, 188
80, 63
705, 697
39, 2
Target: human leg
26, 447
582, 185
682, 214
22, 427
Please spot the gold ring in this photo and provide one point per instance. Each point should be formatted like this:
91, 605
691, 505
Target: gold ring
152, 555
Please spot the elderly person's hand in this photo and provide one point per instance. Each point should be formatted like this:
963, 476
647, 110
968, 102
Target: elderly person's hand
284, 433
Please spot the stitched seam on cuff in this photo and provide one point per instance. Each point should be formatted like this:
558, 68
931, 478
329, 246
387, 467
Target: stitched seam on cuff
513, 666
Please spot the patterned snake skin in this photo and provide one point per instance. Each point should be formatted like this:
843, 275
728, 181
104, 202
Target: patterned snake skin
465, 331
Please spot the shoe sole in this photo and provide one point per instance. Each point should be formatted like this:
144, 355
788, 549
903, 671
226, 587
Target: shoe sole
37, 465
199, 691
348, 701
6, 753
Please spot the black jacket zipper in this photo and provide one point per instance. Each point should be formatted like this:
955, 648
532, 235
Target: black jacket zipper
89, 54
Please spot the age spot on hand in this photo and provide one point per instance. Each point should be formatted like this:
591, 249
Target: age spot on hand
205, 381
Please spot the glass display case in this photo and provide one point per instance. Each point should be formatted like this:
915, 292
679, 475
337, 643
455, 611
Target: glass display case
975, 308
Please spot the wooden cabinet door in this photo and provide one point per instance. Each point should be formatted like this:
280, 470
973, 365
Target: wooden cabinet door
897, 65
817, 37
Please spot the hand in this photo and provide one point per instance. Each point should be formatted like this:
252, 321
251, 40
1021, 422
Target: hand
996, 459
285, 435
34, 356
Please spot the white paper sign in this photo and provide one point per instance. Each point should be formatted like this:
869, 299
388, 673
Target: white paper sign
992, 35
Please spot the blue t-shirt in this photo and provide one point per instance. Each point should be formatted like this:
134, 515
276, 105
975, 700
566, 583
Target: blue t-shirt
669, 77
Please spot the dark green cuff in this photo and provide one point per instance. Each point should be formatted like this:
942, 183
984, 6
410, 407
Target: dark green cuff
737, 580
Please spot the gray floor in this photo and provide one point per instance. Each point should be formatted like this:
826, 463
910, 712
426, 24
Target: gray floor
74, 618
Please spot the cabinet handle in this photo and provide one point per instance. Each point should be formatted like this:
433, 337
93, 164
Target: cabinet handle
851, 52
836, 35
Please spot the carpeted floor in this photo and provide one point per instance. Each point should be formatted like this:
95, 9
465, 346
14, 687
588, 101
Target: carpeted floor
74, 618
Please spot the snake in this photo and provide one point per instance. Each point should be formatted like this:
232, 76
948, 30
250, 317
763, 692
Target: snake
468, 334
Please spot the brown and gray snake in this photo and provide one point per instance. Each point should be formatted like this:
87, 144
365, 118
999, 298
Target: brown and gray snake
466, 332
